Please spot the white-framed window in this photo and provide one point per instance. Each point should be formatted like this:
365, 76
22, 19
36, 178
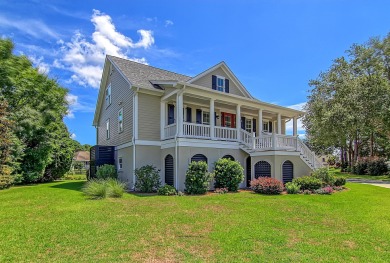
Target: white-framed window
108, 95
220, 83
120, 120
248, 125
206, 117
228, 120
265, 126
108, 129
120, 163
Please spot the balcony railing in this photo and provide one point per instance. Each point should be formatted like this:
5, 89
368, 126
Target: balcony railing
170, 131
225, 133
196, 130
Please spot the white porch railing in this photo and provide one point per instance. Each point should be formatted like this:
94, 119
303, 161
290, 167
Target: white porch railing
247, 138
196, 130
225, 133
170, 131
263, 142
286, 141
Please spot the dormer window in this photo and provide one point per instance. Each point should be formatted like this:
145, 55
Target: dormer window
220, 83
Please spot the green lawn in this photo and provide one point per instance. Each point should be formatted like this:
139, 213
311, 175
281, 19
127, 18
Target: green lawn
364, 177
55, 223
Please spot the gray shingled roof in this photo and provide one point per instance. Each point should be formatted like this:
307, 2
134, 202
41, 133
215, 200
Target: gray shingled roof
140, 74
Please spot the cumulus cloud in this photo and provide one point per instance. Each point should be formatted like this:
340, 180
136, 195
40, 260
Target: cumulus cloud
73, 136
84, 57
76, 106
289, 125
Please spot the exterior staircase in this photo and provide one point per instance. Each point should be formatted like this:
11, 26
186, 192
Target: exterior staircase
276, 142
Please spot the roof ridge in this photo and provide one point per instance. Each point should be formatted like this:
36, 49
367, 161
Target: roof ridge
150, 66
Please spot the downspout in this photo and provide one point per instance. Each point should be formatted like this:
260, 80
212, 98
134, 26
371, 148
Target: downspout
133, 138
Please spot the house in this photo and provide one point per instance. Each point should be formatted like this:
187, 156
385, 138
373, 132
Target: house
154, 116
82, 157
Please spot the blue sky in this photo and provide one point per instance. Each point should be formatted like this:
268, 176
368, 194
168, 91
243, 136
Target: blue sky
274, 47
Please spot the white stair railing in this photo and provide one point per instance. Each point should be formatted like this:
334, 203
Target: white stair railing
246, 138
308, 155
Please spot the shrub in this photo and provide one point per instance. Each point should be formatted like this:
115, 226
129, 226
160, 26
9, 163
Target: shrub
148, 179
197, 178
324, 175
338, 188
221, 190
266, 185
340, 181
6, 181
377, 167
292, 188
106, 171
308, 182
95, 189
228, 174
166, 190
306, 192
74, 177
328, 190
180, 193
115, 188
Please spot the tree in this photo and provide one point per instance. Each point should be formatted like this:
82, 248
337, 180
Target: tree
37, 106
349, 105
5, 139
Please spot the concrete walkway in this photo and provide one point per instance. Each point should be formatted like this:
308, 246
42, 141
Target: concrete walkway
385, 184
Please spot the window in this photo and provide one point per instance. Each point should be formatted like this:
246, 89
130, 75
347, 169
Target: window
108, 129
120, 120
206, 118
120, 163
248, 125
108, 95
220, 83
265, 126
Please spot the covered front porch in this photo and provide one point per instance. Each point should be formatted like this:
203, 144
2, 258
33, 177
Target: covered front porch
189, 113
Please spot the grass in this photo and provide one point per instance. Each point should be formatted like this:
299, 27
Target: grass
364, 177
55, 222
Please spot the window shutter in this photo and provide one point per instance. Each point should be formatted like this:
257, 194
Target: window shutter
214, 82
198, 116
215, 118
226, 85
171, 114
243, 123
270, 126
223, 119
189, 114
233, 120
254, 128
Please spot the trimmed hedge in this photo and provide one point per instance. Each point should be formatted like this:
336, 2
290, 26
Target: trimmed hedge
308, 183
228, 174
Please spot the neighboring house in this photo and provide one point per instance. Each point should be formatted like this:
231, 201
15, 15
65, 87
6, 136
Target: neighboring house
154, 116
82, 157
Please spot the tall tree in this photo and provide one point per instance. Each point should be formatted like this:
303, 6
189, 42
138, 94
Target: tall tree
37, 106
349, 104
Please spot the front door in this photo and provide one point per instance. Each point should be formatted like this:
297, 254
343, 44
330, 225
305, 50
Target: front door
228, 120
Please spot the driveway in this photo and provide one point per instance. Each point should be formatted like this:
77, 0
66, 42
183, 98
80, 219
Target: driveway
385, 184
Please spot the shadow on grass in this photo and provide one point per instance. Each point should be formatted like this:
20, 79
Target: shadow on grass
75, 186
139, 194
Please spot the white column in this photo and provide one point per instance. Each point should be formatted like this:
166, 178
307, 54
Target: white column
238, 121
136, 113
260, 123
212, 119
179, 106
163, 123
279, 123
295, 126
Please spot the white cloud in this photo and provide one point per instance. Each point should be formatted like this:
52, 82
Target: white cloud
168, 23
38, 62
73, 136
31, 27
76, 106
289, 125
85, 58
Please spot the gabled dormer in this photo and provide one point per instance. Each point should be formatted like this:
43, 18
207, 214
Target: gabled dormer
220, 78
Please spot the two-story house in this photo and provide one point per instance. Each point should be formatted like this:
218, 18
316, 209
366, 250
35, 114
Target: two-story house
154, 116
